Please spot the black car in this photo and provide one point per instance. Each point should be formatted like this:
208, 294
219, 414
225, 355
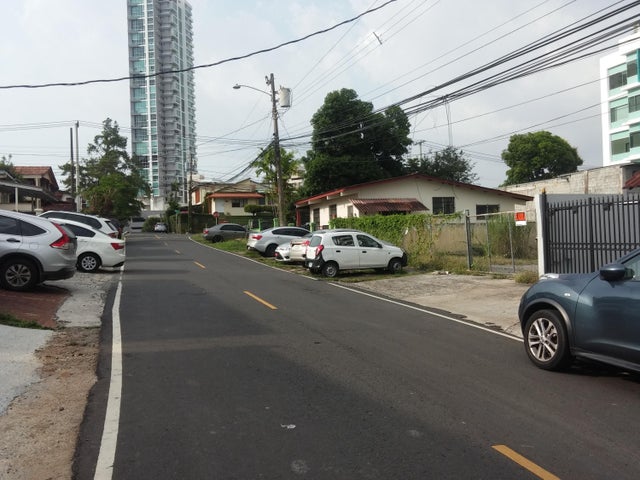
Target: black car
594, 316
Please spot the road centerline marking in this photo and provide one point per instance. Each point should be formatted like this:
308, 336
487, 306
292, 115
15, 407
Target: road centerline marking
525, 463
200, 265
258, 299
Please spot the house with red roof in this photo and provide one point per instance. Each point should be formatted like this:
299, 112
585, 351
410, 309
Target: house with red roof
414, 193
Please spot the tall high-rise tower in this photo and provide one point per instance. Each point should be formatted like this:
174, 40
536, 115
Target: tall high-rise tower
162, 97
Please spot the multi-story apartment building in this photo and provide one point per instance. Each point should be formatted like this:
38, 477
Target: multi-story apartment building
162, 96
620, 100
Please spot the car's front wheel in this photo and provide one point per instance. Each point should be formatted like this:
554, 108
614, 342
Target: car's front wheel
395, 265
88, 262
545, 340
216, 239
19, 274
270, 251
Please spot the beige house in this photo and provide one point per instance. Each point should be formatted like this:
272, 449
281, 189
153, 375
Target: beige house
231, 198
415, 193
36, 187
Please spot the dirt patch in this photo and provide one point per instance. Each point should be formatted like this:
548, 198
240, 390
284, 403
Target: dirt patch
40, 428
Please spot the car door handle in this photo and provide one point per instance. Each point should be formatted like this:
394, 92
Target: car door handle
13, 240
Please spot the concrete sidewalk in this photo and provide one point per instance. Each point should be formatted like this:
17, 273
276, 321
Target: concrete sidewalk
75, 302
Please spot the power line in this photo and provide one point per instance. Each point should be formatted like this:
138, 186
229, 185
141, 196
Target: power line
196, 67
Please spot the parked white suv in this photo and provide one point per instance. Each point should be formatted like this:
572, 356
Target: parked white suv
333, 250
33, 250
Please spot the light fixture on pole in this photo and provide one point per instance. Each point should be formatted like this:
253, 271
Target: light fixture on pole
276, 141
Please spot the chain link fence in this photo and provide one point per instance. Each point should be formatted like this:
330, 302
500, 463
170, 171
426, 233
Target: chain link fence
485, 243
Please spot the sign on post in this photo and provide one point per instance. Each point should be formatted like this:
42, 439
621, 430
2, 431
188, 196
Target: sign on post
520, 218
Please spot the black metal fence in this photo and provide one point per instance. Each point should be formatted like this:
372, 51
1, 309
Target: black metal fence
581, 234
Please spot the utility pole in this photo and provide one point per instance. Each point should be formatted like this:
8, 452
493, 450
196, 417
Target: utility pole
276, 146
78, 197
73, 166
189, 192
420, 142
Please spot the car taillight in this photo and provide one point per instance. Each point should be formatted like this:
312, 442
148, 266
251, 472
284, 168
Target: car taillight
117, 246
256, 237
319, 249
205, 231
64, 242
306, 243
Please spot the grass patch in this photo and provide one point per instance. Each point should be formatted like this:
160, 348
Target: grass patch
11, 321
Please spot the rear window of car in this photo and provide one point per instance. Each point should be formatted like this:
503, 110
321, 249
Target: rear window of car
31, 230
9, 226
343, 240
315, 241
80, 231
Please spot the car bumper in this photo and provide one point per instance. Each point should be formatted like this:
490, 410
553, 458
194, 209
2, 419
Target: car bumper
315, 264
61, 274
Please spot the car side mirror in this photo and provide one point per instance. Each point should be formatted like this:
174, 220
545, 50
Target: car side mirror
613, 272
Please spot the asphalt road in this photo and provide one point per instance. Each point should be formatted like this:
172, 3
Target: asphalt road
235, 370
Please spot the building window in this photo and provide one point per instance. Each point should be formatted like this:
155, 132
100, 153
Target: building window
617, 80
482, 210
443, 205
333, 211
619, 111
634, 139
619, 145
316, 217
350, 211
634, 103
632, 70
238, 202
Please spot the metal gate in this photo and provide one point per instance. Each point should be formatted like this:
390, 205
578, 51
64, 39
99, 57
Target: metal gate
581, 234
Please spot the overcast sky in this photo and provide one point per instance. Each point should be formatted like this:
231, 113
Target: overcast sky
405, 48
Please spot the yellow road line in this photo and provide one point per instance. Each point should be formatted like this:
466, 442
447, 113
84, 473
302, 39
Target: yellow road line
200, 265
525, 463
258, 299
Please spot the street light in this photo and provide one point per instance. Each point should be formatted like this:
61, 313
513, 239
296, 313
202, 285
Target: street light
276, 144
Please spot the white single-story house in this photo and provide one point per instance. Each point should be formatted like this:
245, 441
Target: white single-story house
414, 193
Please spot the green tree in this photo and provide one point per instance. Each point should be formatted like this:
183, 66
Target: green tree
7, 166
538, 156
110, 181
449, 163
353, 144
265, 167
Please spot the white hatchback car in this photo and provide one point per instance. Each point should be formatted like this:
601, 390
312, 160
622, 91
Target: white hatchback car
95, 249
333, 250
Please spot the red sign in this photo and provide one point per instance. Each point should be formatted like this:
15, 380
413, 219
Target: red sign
216, 214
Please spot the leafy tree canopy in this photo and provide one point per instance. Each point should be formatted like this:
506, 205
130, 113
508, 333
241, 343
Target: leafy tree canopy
7, 166
353, 144
449, 163
110, 181
538, 156
265, 167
